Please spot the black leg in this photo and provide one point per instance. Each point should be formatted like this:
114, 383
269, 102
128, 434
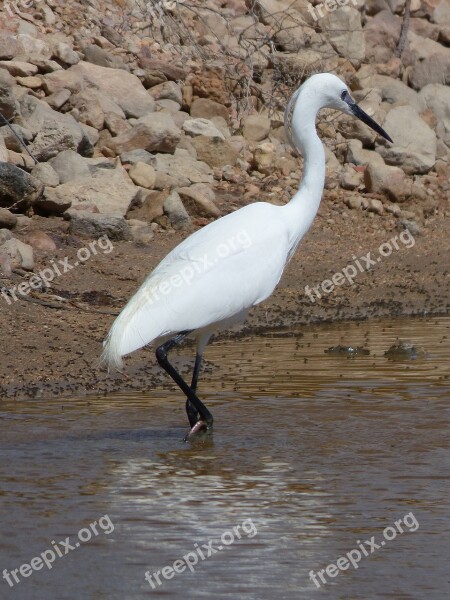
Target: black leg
190, 408
193, 401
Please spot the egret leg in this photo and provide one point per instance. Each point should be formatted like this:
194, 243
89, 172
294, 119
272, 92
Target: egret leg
190, 408
198, 406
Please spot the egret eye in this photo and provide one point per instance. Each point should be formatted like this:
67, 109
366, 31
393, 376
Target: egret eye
344, 94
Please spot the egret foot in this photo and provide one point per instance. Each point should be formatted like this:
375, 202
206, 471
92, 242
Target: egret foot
198, 431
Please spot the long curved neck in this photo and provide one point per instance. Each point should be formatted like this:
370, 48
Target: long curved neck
304, 205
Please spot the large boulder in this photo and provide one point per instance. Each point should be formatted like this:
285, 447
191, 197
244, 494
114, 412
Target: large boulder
214, 151
69, 165
155, 132
90, 224
414, 147
344, 31
183, 168
437, 98
53, 131
124, 88
109, 190
17, 187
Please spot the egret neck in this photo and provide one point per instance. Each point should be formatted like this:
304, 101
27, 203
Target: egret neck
302, 208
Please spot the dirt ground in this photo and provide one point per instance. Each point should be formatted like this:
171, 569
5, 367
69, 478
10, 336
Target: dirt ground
52, 340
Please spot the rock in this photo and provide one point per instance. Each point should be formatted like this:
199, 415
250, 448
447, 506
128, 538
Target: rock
214, 151
39, 240
157, 70
122, 87
222, 126
94, 225
53, 131
52, 203
168, 106
198, 199
168, 90
4, 154
375, 206
143, 175
116, 125
18, 68
17, 187
393, 208
183, 168
34, 46
148, 205
88, 108
44, 65
263, 157
134, 156
9, 47
156, 132
359, 156
203, 127
7, 219
433, 69
46, 173
110, 190
178, 215
411, 226
381, 36
12, 136
5, 235
92, 135
354, 202
9, 106
103, 58
32, 83
140, 231
437, 98
344, 31
414, 147
206, 108
70, 166
350, 179
390, 181
69, 79
58, 99
392, 90
66, 54
21, 254
441, 14
256, 128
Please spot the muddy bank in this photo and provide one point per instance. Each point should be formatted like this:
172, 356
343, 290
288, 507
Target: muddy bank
52, 340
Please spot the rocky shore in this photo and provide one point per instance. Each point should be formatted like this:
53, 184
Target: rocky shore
132, 124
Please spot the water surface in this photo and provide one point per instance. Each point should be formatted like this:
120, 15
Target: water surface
312, 454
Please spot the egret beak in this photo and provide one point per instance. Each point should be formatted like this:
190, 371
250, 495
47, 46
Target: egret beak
364, 117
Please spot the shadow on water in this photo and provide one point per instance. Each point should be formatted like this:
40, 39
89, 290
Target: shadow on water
313, 453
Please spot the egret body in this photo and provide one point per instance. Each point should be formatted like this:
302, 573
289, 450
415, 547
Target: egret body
215, 276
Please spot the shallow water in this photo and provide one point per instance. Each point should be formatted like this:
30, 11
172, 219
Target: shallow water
312, 454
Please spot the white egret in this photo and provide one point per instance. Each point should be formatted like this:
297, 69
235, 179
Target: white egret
215, 276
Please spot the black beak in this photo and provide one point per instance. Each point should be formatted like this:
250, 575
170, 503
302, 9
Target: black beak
364, 117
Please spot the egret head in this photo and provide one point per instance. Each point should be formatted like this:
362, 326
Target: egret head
337, 95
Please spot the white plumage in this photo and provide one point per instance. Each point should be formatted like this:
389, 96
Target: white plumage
221, 271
